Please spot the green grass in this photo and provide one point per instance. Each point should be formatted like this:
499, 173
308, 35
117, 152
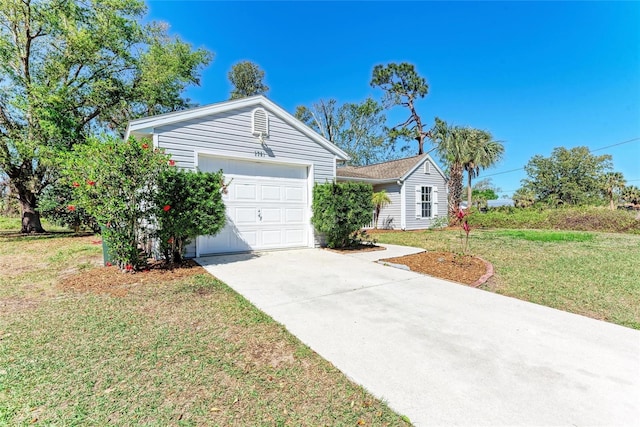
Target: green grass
14, 224
185, 352
546, 236
593, 274
568, 218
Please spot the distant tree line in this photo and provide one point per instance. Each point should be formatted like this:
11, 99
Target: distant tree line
574, 177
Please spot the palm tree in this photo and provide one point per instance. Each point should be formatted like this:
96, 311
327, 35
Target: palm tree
482, 152
612, 182
380, 200
451, 145
631, 194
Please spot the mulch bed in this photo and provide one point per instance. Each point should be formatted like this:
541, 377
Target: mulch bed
464, 269
359, 248
113, 281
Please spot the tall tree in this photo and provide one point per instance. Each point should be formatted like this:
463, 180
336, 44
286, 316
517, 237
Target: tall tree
569, 176
612, 183
71, 68
357, 128
402, 85
325, 117
246, 78
452, 147
482, 152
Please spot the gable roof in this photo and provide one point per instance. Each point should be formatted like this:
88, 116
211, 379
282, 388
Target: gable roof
394, 170
146, 125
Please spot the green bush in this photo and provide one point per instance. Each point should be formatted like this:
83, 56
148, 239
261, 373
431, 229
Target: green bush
188, 204
575, 218
54, 205
114, 181
340, 210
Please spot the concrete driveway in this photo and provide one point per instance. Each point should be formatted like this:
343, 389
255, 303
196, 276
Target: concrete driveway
442, 353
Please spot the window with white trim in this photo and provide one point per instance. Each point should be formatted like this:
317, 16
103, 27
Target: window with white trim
425, 205
426, 201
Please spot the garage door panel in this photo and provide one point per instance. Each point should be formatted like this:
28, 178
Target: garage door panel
294, 194
294, 215
272, 215
295, 236
249, 237
244, 215
270, 193
244, 191
272, 237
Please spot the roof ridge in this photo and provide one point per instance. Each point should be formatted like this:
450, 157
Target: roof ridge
387, 162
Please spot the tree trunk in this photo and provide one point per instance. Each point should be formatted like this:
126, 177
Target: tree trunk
611, 204
469, 192
30, 215
455, 190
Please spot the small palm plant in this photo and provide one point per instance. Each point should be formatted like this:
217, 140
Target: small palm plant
380, 200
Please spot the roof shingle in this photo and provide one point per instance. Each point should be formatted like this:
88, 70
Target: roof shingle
395, 169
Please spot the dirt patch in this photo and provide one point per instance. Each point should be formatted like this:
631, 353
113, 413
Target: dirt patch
113, 281
464, 269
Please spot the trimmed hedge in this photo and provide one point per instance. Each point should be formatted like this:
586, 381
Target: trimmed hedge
579, 219
340, 210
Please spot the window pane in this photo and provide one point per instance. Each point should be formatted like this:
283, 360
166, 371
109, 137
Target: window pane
426, 202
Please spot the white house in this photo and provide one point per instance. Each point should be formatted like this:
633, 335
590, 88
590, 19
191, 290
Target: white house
271, 161
415, 185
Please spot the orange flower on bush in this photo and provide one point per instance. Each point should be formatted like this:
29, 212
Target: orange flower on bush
91, 183
71, 208
172, 162
170, 241
76, 185
166, 208
145, 146
128, 267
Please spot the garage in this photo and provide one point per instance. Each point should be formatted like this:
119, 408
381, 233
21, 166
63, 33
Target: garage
266, 206
270, 160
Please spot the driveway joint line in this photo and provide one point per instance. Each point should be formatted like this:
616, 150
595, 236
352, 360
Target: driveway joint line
395, 282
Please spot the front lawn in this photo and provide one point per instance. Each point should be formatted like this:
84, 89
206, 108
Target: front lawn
182, 350
588, 273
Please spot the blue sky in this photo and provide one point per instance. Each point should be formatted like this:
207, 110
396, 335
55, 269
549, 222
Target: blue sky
538, 75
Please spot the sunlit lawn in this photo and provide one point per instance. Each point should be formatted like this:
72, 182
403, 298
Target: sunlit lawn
185, 352
593, 274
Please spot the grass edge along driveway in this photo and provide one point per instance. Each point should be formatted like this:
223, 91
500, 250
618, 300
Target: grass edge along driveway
184, 352
588, 273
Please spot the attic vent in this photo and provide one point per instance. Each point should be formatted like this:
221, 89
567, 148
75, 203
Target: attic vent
427, 167
260, 122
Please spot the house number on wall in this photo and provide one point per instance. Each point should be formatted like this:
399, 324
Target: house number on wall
260, 153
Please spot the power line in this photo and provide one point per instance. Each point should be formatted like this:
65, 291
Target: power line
500, 173
615, 145
597, 149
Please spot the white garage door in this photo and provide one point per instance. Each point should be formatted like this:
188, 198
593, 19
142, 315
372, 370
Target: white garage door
266, 207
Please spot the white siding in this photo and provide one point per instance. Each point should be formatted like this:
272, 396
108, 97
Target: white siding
230, 133
420, 178
390, 215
